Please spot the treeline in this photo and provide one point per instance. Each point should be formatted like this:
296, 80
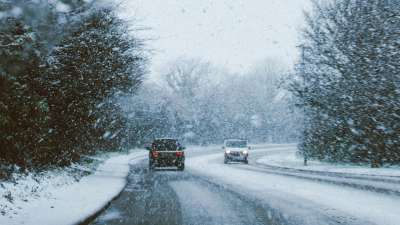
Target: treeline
201, 104
62, 72
349, 82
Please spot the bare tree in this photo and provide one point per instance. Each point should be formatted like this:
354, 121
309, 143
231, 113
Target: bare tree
186, 76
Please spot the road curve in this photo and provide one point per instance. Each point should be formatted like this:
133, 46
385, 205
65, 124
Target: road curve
178, 197
210, 192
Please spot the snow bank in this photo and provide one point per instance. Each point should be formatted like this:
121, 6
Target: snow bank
59, 199
65, 201
302, 201
288, 158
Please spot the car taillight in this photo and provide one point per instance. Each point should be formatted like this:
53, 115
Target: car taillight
155, 153
179, 153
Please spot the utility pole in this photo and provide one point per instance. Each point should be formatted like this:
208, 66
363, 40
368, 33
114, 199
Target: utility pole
302, 71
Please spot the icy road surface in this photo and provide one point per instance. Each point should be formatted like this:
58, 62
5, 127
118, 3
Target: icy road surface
211, 192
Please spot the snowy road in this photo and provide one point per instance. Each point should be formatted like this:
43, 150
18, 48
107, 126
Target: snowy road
211, 192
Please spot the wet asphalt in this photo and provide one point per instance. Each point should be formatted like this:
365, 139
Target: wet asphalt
169, 196
178, 197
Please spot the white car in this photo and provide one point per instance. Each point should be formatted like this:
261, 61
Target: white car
236, 150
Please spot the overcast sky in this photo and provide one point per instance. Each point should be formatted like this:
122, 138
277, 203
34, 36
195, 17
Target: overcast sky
234, 34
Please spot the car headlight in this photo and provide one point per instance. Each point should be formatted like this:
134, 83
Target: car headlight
245, 152
227, 151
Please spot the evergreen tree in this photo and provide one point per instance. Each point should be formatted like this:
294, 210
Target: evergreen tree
86, 74
61, 79
349, 81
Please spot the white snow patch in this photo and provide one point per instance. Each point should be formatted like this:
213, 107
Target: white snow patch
291, 160
16, 11
106, 134
284, 193
60, 199
61, 7
189, 134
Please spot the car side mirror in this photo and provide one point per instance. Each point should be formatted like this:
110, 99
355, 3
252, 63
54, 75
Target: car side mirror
249, 147
148, 148
223, 147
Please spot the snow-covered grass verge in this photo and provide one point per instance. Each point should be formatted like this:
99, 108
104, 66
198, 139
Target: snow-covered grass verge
65, 197
301, 201
288, 158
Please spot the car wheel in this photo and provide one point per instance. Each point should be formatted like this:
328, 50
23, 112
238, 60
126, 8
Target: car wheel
181, 167
225, 160
245, 161
152, 166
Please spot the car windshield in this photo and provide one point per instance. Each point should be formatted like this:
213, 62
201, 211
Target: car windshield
166, 145
236, 144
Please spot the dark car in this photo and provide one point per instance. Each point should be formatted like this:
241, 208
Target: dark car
166, 152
